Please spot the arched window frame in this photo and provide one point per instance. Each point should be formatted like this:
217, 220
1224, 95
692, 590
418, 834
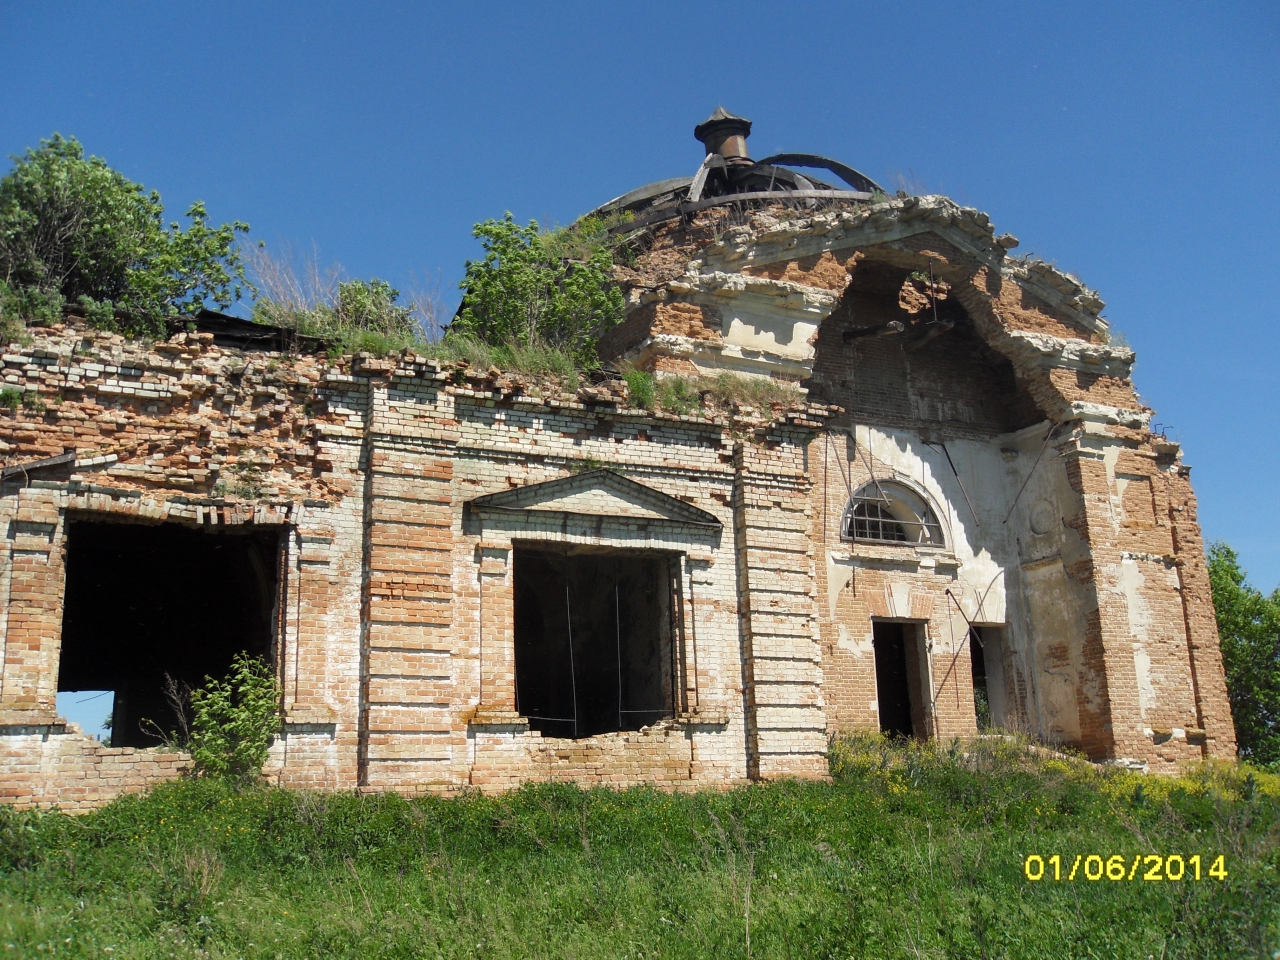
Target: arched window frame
891, 512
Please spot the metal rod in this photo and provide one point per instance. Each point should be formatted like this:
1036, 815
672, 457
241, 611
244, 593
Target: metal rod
956, 655
1052, 427
866, 463
844, 476
933, 292
617, 625
573, 681
693, 635
961, 482
674, 632
847, 485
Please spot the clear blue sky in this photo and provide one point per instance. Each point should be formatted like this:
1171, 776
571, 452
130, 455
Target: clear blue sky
1134, 144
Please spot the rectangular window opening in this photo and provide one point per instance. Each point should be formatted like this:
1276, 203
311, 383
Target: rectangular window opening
593, 644
901, 679
151, 609
978, 666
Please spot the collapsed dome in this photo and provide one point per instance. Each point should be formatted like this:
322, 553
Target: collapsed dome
729, 174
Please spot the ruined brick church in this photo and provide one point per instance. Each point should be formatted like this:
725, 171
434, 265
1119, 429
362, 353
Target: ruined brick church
465, 578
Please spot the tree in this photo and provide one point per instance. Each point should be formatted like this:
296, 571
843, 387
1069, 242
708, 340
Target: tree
73, 228
1249, 627
541, 288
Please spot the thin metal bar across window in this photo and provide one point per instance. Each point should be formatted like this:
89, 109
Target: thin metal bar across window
869, 520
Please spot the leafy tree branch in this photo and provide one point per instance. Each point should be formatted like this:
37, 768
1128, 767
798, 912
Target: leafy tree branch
536, 288
1249, 627
74, 230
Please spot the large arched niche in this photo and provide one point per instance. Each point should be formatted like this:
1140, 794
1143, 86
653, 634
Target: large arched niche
940, 375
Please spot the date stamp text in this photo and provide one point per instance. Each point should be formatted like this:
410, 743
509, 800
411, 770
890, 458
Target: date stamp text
1116, 867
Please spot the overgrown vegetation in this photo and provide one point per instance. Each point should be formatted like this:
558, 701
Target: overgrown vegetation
684, 396
912, 851
1249, 628
356, 315
234, 720
75, 231
226, 724
536, 287
535, 360
72, 230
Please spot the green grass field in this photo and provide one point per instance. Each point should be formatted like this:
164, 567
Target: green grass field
912, 851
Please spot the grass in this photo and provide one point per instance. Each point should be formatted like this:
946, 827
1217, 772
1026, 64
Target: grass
1117, 339
912, 851
688, 395
538, 360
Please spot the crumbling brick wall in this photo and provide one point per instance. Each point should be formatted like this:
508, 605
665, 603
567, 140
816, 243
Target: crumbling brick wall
393, 642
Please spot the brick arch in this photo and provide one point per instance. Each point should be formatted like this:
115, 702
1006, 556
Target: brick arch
958, 380
1000, 308
976, 288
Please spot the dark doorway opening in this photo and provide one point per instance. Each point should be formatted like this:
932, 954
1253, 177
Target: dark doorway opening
592, 640
991, 671
150, 601
900, 681
978, 665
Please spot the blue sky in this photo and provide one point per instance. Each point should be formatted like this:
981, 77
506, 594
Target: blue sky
1134, 144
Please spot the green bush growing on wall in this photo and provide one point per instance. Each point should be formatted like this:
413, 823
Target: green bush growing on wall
536, 287
233, 721
640, 385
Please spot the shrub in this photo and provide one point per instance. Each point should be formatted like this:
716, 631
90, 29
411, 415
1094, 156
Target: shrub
98, 313
74, 229
356, 315
678, 395
535, 287
234, 720
10, 399
30, 304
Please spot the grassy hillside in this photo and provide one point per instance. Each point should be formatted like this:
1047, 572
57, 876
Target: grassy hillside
911, 852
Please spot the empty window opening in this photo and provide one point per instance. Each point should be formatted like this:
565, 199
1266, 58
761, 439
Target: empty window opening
890, 513
593, 643
150, 602
990, 693
901, 680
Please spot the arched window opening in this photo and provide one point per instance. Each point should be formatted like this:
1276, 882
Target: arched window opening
891, 513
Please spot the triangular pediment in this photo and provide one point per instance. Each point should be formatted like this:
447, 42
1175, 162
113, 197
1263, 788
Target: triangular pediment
596, 493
